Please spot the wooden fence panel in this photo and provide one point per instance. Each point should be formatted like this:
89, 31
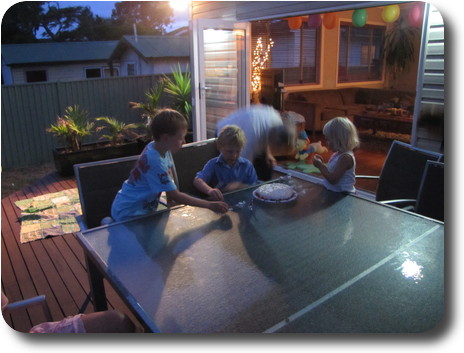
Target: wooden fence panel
28, 109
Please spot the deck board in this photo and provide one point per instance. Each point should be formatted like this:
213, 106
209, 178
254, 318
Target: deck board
54, 266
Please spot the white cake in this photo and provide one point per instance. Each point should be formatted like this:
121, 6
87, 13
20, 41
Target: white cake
275, 192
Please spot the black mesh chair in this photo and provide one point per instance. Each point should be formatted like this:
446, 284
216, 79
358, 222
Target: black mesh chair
189, 160
430, 199
402, 172
98, 183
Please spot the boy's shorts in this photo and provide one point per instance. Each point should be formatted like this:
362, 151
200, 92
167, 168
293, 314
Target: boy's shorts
70, 324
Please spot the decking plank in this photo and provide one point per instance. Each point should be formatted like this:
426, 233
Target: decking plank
53, 266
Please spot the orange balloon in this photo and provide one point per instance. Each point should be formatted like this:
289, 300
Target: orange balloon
294, 22
330, 20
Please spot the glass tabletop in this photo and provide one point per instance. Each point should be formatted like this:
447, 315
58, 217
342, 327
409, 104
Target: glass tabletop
277, 267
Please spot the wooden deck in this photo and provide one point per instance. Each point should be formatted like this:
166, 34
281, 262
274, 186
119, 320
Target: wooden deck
56, 266
53, 266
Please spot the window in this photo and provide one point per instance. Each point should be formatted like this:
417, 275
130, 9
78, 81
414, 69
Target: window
107, 71
131, 69
360, 53
36, 76
296, 53
93, 73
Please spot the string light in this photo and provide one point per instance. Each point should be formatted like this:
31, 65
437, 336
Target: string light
260, 57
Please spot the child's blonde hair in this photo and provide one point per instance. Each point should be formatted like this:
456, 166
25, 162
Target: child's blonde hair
167, 121
231, 135
342, 134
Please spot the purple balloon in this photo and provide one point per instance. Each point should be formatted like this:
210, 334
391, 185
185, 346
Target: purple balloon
314, 20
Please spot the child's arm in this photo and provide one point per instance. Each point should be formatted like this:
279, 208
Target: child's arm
345, 162
183, 198
213, 193
270, 160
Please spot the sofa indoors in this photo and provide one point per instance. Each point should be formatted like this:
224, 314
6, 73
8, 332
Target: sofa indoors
318, 107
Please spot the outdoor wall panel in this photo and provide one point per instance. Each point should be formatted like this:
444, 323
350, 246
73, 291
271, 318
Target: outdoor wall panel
29, 109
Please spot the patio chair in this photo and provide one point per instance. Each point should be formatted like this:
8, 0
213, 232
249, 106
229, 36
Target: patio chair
98, 183
21, 305
189, 160
402, 172
430, 199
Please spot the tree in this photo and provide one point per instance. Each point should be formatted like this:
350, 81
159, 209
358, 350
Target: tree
33, 21
150, 17
21, 22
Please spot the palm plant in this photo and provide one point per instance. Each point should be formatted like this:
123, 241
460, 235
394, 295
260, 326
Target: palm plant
398, 46
153, 98
179, 87
72, 127
118, 130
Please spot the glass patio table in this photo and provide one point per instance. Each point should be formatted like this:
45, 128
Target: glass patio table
325, 262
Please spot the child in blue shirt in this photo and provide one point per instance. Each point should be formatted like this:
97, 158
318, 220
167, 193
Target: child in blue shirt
151, 175
228, 171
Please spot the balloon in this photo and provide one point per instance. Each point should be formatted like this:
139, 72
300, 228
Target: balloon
390, 13
294, 22
415, 15
330, 20
359, 17
314, 20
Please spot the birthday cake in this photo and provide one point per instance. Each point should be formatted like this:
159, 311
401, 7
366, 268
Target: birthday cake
275, 192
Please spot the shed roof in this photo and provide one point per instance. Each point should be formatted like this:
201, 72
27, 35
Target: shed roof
150, 47
55, 52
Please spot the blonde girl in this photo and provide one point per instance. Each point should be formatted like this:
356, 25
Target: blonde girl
342, 138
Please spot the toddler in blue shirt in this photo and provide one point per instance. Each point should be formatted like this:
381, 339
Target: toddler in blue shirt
228, 171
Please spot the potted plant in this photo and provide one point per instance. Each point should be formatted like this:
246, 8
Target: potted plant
398, 46
179, 88
149, 110
72, 127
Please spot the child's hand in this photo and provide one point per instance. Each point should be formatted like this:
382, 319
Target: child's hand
215, 195
318, 161
218, 206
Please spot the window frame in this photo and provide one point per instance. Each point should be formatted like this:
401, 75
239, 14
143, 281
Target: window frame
93, 68
27, 72
381, 79
316, 72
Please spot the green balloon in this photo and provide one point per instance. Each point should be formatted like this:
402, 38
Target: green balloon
359, 17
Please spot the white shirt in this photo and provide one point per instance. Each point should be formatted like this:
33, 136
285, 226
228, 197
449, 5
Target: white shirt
348, 179
255, 122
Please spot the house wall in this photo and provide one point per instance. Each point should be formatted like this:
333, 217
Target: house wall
131, 57
150, 67
258, 10
166, 65
62, 72
429, 119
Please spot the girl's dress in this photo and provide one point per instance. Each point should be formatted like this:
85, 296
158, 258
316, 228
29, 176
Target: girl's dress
347, 181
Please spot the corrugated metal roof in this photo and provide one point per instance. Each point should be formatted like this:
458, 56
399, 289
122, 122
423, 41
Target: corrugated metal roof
146, 46
56, 52
154, 46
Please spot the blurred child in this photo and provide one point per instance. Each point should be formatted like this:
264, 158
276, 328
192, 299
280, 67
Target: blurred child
265, 132
152, 173
228, 171
342, 138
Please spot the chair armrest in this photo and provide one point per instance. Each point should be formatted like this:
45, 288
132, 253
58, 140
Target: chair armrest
27, 303
367, 177
405, 204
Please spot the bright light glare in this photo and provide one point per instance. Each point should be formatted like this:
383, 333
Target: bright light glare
410, 269
179, 5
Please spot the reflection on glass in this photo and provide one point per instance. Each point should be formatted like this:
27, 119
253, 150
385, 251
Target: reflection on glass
410, 269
